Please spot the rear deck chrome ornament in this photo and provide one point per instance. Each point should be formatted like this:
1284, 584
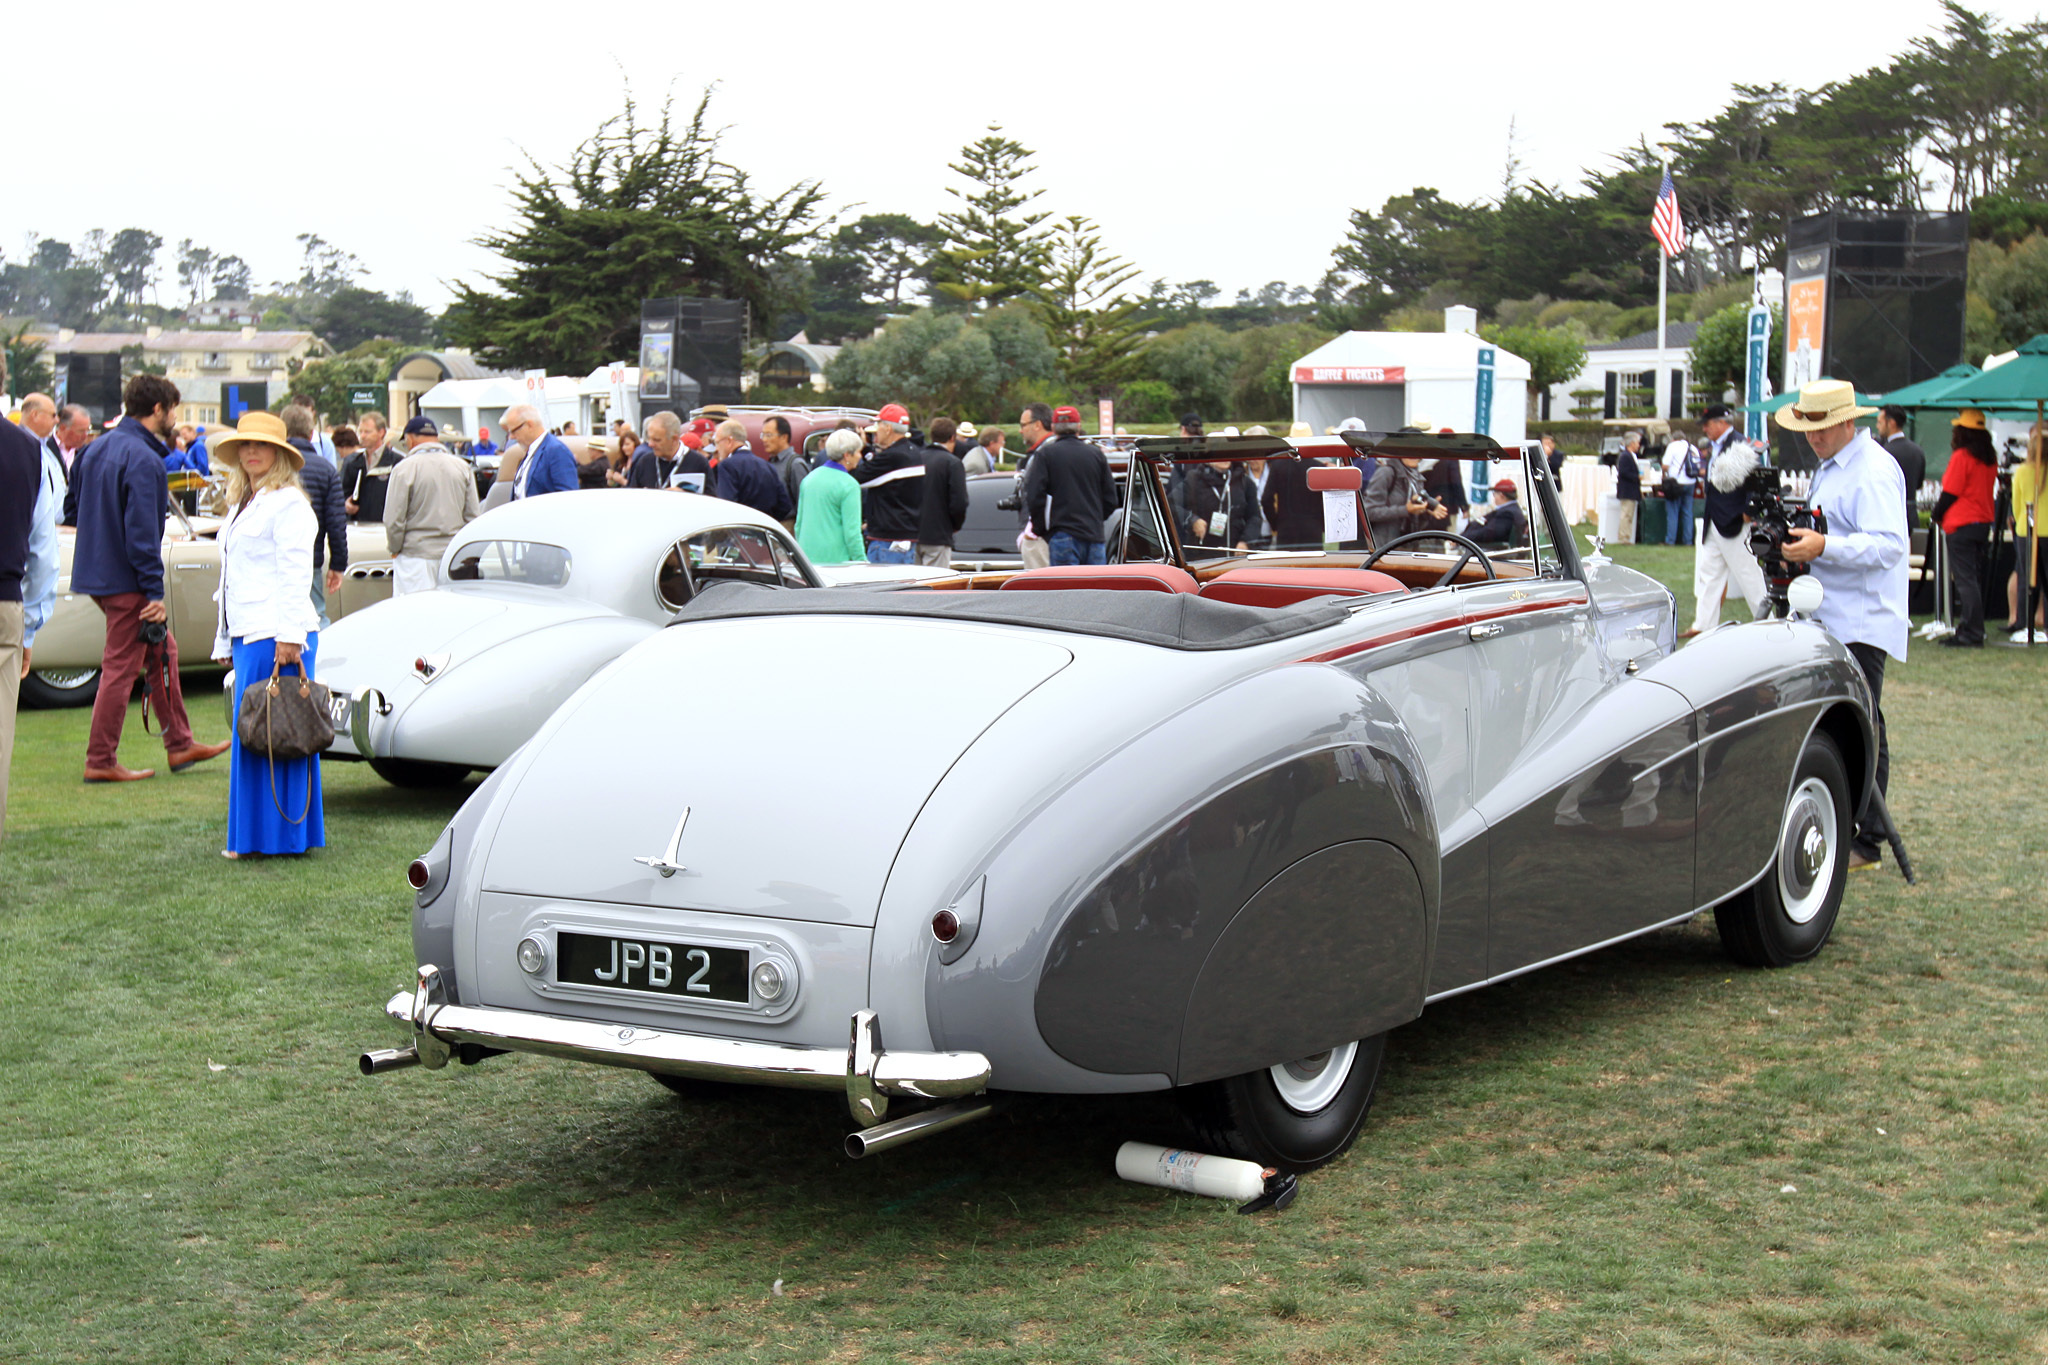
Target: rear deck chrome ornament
666, 864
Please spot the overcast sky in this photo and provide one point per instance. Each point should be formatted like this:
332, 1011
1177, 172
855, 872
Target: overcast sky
1209, 141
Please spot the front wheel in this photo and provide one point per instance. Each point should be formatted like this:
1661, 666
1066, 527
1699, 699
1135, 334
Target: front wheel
406, 772
53, 688
1296, 1116
1788, 914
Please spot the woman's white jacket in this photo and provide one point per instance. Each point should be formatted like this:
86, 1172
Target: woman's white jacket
266, 571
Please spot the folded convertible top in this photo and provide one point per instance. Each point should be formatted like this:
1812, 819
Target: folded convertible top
1174, 620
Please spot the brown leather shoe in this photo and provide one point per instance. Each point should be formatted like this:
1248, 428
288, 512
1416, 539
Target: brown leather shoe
1687, 634
117, 773
198, 753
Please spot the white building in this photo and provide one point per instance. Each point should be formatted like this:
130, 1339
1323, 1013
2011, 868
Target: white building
1630, 380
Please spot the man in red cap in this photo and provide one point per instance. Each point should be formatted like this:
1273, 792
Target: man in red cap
1069, 493
892, 489
1503, 523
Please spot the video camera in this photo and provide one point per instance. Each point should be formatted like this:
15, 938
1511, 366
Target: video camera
1772, 519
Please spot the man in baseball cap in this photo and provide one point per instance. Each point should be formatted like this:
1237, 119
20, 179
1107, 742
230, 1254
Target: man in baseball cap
892, 488
1068, 493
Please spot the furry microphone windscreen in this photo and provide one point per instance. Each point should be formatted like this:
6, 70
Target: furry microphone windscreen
1733, 469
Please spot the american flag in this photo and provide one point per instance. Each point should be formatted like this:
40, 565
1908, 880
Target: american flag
1665, 224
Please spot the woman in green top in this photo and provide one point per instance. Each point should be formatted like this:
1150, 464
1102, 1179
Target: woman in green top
828, 505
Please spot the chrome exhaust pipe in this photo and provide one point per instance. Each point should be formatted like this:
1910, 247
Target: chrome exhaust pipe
386, 1059
911, 1127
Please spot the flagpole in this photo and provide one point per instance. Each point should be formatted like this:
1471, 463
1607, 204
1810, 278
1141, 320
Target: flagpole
1663, 275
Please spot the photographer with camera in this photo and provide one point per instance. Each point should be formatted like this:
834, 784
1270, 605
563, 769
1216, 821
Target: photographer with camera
118, 561
1860, 561
1722, 558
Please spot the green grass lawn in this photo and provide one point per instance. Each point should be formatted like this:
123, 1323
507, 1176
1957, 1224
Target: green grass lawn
1646, 1155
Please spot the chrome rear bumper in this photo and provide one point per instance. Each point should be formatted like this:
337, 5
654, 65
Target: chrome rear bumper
866, 1072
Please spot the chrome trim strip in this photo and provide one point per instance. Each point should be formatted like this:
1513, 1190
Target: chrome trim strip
911, 1075
1565, 957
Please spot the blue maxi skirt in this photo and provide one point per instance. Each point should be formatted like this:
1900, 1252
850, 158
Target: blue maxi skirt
255, 824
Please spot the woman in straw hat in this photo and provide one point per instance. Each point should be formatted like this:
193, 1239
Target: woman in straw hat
1965, 512
266, 620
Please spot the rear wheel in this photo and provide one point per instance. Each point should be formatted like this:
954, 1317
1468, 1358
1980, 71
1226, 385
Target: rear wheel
406, 772
53, 688
1296, 1116
1787, 916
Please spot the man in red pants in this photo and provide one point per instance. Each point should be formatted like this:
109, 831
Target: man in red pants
123, 498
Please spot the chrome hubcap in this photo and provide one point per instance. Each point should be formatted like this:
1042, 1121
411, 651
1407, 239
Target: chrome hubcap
1308, 1084
1807, 847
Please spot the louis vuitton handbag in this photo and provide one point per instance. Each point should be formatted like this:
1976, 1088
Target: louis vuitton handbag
285, 718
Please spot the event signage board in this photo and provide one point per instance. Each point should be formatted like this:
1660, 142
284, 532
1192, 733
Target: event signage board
1806, 314
1482, 420
369, 397
1105, 417
1757, 381
1350, 374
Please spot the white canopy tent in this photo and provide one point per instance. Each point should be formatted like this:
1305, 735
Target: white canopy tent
1390, 380
465, 404
600, 401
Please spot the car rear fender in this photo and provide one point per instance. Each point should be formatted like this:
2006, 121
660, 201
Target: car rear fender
1133, 910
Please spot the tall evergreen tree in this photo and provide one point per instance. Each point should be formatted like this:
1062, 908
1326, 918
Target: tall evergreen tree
993, 252
1089, 321
640, 211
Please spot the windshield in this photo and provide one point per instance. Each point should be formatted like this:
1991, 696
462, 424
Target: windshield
510, 561
1298, 504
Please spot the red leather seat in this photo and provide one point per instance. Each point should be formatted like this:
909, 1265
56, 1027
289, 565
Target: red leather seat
1120, 577
1255, 587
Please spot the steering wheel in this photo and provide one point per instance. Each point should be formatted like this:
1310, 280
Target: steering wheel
1472, 550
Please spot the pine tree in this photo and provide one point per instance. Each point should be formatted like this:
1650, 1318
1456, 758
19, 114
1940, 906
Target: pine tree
1088, 321
992, 251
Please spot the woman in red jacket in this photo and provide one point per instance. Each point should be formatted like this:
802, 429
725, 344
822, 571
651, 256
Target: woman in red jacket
1964, 514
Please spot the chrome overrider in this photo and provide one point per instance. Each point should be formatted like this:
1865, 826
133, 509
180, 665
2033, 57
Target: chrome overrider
867, 1073
361, 707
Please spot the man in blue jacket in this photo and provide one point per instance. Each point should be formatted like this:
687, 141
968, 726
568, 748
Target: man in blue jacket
549, 467
118, 561
739, 475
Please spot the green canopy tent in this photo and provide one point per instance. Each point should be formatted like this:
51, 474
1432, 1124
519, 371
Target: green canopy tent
1927, 393
2018, 384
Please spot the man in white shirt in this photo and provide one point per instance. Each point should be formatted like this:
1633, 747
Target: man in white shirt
1861, 562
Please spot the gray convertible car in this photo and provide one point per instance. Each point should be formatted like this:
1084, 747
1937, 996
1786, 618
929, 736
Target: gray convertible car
1259, 809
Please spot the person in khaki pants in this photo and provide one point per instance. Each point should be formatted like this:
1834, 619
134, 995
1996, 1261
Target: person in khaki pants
28, 570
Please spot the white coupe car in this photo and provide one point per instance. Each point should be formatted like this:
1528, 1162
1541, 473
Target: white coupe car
533, 598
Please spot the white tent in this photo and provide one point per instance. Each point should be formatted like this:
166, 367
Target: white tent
465, 404
1390, 380
600, 401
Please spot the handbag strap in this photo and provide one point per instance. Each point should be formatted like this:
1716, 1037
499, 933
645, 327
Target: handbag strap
270, 745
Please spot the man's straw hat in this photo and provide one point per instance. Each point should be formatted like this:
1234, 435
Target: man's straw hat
1823, 403
260, 428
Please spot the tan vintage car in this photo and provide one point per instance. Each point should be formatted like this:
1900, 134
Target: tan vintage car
68, 648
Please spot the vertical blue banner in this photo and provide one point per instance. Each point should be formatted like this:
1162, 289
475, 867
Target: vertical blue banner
1756, 387
1482, 422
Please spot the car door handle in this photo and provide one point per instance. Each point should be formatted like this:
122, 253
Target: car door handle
1484, 632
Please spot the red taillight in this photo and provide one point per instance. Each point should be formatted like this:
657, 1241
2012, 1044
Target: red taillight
418, 874
945, 926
